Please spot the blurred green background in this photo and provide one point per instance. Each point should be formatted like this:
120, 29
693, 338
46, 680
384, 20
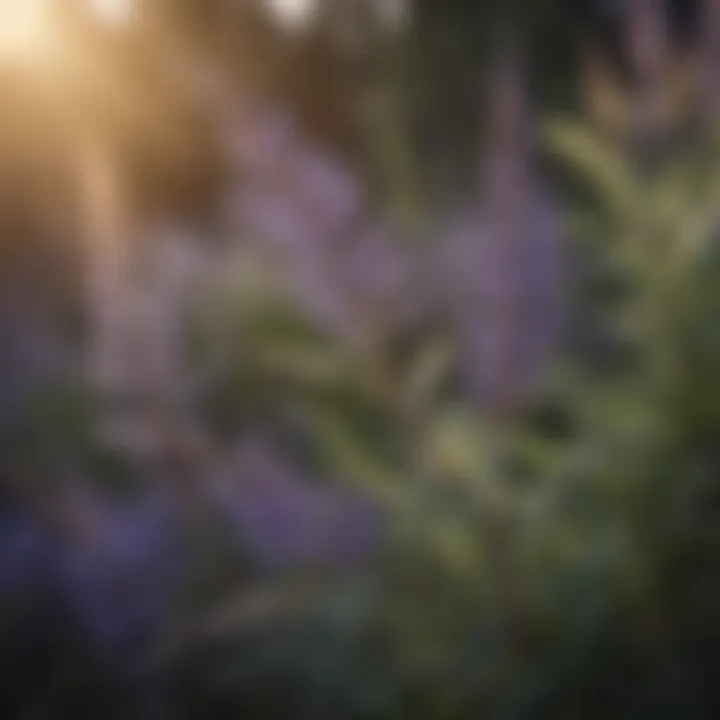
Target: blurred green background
444, 445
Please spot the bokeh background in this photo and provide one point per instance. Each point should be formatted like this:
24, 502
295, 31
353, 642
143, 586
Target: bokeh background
359, 359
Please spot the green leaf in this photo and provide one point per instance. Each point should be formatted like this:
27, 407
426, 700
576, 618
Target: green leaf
353, 458
612, 176
427, 373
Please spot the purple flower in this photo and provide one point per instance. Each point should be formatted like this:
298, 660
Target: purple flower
506, 292
25, 554
505, 271
260, 140
331, 194
305, 205
285, 521
117, 562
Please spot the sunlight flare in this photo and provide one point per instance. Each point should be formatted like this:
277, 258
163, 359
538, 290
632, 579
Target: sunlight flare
293, 12
25, 28
112, 12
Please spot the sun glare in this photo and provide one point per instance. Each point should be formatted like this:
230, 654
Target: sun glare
25, 27
113, 12
293, 12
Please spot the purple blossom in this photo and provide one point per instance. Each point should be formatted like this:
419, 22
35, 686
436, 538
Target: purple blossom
329, 191
508, 303
116, 566
285, 521
305, 205
280, 222
25, 555
260, 140
505, 274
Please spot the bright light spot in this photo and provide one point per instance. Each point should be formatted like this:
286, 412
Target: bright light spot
113, 12
25, 28
392, 12
293, 12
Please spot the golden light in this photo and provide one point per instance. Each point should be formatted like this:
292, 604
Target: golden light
113, 12
294, 13
26, 29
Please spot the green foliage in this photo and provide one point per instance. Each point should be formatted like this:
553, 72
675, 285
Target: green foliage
521, 566
519, 562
